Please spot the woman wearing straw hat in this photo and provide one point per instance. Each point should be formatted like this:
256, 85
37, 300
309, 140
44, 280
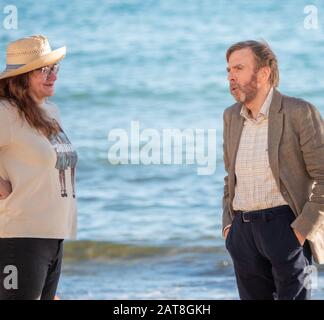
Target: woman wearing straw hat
34, 216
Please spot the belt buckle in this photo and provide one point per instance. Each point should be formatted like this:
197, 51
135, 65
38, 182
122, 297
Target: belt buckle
243, 217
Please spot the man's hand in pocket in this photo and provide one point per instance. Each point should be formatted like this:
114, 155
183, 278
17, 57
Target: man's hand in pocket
299, 237
226, 231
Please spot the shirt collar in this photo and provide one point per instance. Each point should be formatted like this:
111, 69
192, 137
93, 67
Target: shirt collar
264, 111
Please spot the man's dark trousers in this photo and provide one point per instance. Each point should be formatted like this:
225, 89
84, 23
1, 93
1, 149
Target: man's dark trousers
268, 259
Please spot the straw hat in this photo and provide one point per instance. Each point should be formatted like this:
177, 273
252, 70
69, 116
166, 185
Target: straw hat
29, 54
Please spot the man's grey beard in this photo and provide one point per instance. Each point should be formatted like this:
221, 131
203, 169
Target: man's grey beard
248, 91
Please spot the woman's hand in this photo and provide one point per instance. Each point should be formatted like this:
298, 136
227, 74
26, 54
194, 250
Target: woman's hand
5, 189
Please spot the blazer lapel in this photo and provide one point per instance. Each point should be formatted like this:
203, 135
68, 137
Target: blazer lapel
236, 131
274, 133
237, 128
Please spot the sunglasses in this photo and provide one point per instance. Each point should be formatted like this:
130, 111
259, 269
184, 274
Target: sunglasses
48, 70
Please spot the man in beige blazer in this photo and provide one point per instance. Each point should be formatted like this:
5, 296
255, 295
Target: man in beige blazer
273, 205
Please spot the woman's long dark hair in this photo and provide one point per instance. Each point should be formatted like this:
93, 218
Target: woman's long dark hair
17, 92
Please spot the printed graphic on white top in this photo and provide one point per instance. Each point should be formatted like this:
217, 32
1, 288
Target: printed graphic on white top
66, 158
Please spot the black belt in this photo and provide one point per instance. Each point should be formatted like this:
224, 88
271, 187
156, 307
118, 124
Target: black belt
265, 214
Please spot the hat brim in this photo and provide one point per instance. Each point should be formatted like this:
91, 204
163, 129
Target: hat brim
45, 60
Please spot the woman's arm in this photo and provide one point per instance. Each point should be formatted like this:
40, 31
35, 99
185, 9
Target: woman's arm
5, 189
5, 140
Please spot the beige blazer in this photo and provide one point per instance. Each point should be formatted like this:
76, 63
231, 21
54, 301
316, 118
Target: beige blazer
296, 156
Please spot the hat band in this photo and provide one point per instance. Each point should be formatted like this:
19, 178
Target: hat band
10, 67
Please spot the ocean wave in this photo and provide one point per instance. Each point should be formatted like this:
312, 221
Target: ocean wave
102, 250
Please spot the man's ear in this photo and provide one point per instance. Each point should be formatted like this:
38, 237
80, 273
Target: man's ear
264, 75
